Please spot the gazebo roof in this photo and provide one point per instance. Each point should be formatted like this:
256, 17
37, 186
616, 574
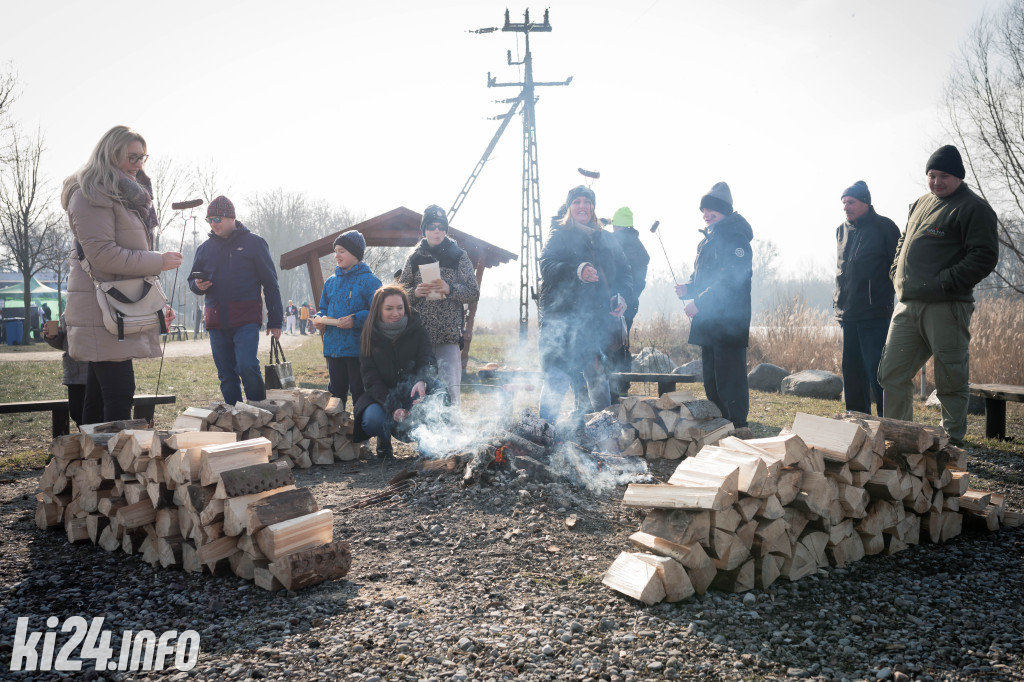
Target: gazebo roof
398, 227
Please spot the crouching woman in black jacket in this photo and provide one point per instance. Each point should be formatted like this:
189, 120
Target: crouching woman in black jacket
397, 363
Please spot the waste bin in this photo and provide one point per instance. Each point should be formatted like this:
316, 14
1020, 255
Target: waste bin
12, 328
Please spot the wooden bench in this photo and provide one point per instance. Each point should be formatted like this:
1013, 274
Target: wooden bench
995, 396
666, 382
60, 414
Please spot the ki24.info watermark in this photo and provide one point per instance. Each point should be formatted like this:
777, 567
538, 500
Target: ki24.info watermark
143, 650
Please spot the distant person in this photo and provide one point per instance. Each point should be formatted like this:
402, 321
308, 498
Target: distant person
950, 244
637, 258
441, 303
584, 284
47, 313
397, 366
303, 317
719, 309
109, 202
863, 299
291, 316
236, 274
74, 374
346, 298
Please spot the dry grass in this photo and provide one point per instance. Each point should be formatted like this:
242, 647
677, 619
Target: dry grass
796, 337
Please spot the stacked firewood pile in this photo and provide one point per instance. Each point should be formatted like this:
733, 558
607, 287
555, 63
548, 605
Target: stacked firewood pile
674, 426
304, 426
743, 513
198, 500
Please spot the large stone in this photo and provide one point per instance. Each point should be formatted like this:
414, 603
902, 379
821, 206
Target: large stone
813, 383
975, 405
766, 377
694, 367
652, 361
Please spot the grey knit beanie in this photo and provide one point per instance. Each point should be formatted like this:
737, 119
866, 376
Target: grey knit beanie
718, 199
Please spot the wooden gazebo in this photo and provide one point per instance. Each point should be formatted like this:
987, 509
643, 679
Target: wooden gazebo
398, 227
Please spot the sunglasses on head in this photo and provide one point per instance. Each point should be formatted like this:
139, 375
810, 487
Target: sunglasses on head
211, 221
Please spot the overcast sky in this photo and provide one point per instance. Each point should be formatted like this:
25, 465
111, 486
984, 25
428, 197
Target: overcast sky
374, 105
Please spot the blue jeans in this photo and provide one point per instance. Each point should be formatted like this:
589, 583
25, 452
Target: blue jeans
234, 353
862, 349
375, 421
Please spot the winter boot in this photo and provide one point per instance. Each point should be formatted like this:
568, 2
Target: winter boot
384, 449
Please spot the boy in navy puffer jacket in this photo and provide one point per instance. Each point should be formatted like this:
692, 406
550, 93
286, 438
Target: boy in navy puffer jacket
346, 299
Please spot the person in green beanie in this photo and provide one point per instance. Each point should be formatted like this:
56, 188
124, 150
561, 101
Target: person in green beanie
637, 259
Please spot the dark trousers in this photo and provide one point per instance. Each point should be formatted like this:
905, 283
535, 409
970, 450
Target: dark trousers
76, 401
863, 341
345, 378
109, 392
725, 381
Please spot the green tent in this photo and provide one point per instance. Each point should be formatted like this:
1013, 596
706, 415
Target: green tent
39, 291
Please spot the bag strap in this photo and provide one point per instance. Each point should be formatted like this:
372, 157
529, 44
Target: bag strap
118, 296
275, 349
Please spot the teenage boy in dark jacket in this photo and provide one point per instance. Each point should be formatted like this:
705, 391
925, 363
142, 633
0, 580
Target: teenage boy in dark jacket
235, 272
719, 309
950, 245
864, 299
637, 259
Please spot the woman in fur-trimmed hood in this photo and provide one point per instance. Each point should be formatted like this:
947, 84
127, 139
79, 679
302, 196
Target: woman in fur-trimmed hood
109, 202
441, 304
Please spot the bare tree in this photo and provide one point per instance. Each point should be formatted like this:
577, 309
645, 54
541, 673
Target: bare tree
985, 107
26, 219
56, 258
207, 182
171, 182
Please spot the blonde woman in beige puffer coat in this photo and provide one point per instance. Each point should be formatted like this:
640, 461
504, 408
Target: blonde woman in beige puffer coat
109, 202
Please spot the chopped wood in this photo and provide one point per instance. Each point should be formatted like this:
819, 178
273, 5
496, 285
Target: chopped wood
752, 478
836, 440
136, 515
739, 579
767, 570
959, 483
279, 507
708, 496
699, 567
680, 527
265, 579
974, 500
635, 578
789, 448
253, 479
674, 579
218, 458
296, 534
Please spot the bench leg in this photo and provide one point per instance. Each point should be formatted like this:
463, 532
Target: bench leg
60, 421
995, 418
146, 412
666, 387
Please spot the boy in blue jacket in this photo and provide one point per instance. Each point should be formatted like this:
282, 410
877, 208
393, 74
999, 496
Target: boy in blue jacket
346, 299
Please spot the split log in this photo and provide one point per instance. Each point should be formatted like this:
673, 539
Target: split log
789, 448
265, 579
680, 527
740, 579
674, 579
279, 507
836, 440
908, 436
255, 478
294, 535
699, 566
218, 458
635, 578
707, 496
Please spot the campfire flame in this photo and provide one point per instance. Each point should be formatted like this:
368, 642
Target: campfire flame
499, 455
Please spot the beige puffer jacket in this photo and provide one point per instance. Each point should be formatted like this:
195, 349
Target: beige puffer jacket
117, 245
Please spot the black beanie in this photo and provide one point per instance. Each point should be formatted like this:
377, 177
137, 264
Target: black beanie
433, 214
718, 199
353, 242
581, 191
947, 159
859, 191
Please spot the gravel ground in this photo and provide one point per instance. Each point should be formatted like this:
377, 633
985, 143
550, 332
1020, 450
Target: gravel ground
490, 583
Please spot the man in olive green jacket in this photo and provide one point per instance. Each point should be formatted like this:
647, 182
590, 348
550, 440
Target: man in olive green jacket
950, 245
